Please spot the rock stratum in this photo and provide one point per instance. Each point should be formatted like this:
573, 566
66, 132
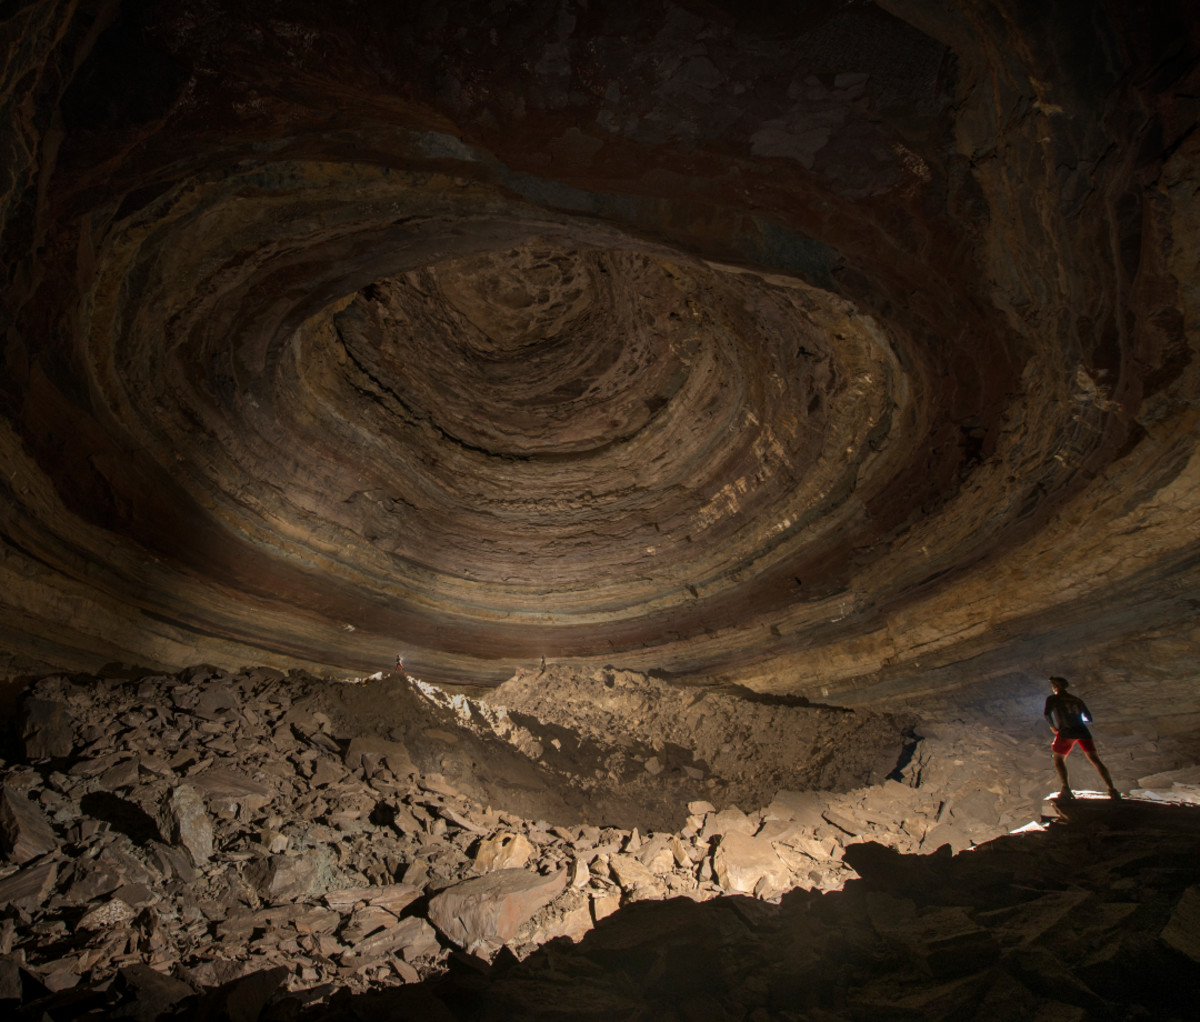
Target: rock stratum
810, 350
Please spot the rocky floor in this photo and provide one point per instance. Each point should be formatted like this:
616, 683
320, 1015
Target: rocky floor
209, 845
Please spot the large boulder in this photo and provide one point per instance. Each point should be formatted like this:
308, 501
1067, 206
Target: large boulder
482, 913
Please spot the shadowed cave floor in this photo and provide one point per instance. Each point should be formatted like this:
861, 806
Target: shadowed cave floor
1083, 921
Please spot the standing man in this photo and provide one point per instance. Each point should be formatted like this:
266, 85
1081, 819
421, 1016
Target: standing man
1068, 716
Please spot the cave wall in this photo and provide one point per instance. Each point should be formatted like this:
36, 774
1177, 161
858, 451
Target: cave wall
842, 349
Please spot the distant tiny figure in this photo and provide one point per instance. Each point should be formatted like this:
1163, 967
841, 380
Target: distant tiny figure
400, 663
1069, 717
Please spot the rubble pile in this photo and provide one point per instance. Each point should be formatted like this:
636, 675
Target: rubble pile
749, 745
261, 845
169, 838
1095, 921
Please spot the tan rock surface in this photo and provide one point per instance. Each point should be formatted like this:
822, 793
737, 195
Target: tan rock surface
486, 911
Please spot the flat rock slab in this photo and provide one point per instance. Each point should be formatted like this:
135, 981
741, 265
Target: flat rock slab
29, 887
742, 863
185, 822
1141, 814
25, 833
486, 911
222, 786
46, 728
282, 878
412, 938
393, 897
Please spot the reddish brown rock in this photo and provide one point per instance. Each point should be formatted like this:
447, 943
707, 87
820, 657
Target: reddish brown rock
28, 888
184, 819
25, 832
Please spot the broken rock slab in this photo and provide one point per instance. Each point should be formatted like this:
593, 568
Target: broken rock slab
150, 993
105, 916
228, 791
25, 833
392, 897
28, 888
185, 822
46, 729
749, 865
411, 938
281, 878
1182, 931
482, 913
503, 851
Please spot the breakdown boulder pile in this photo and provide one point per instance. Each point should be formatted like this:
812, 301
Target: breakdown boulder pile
259, 845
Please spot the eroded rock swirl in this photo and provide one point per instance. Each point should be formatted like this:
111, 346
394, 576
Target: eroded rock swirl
813, 352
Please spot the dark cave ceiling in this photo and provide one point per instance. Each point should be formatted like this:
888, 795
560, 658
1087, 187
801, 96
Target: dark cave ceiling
800, 348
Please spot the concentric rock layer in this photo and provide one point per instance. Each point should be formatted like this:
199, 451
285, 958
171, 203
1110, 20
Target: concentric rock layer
810, 351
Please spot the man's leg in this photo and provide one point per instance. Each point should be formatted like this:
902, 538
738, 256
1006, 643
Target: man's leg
1101, 769
1060, 764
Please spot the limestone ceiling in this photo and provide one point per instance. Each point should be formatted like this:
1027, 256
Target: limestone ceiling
796, 349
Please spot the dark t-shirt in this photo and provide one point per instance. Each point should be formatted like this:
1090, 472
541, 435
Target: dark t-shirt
1068, 714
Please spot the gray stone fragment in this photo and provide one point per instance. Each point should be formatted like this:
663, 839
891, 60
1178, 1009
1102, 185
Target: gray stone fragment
656, 854
123, 774
172, 862
844, 823
726, 821
393, 897
184, 821
25, 832
281, 878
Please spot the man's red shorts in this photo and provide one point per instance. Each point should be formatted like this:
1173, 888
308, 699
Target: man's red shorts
1063, 745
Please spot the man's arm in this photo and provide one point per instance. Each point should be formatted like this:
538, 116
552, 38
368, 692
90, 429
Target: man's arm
1048, 713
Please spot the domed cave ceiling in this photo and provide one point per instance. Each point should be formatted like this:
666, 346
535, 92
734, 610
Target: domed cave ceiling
813, 350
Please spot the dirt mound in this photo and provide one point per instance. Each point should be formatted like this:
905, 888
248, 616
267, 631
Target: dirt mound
744, 746
618, 748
